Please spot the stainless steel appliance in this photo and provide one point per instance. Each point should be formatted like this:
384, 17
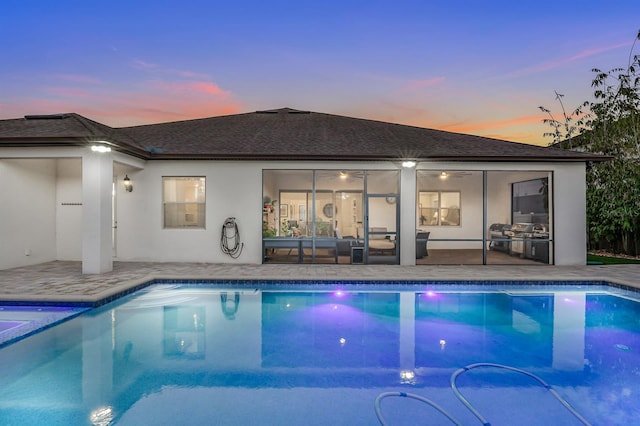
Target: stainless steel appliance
523, 240
499, 239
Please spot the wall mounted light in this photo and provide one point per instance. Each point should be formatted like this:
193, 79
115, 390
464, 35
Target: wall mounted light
128, 186
444, 175
100, 148
408, 164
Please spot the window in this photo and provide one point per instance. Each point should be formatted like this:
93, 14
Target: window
184, 202
439, 208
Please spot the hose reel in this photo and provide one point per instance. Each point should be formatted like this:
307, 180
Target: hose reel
230, 238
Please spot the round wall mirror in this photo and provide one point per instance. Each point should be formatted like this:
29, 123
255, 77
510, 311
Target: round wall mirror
328, 210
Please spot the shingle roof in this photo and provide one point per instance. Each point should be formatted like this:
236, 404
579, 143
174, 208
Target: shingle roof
285, 134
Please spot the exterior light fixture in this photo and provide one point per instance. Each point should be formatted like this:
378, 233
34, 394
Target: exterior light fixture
408, 164
343, 175
128, 186
444, 175
100, 148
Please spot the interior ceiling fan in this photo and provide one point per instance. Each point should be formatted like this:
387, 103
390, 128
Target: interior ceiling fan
445, 174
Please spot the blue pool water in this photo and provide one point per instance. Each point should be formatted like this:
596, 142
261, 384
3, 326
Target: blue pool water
19, 321
319, 355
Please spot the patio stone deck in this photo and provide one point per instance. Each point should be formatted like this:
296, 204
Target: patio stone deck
62, 281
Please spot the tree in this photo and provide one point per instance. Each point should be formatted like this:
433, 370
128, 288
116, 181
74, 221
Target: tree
610, 127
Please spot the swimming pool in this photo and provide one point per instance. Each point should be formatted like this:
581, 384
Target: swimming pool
19, 321
272, 354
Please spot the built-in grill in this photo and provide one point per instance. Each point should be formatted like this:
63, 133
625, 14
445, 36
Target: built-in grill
500, 240
523, 236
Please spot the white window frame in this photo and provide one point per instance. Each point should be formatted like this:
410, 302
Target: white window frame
440, 208
192, 211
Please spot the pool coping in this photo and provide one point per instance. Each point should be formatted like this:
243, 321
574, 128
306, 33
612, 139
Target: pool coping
127, 287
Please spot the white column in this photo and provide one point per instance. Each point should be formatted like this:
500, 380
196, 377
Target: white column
97, 181
407, 330
569, 315
408, 216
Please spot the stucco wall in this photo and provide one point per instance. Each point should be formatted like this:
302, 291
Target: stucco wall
33, 218
69, 209
27, 212
233, 189
569, 200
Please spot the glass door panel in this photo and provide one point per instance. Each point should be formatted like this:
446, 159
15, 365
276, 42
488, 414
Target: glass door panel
381, 235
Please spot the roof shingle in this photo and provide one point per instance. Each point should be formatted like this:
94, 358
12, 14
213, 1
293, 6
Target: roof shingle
286, 134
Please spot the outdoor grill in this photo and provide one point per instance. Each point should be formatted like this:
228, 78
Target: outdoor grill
523, 240
497, 231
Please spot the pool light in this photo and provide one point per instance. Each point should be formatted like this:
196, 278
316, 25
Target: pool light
102, 416
407, 377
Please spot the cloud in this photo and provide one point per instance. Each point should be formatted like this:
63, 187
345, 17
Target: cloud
68, 92
142, 65
419, 84
191, 74
78, 78
149, 102
193, 87
465, 127
546, 66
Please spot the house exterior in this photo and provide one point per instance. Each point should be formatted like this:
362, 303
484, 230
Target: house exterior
283, 185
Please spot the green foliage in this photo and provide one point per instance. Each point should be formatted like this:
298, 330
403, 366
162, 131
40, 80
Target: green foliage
610, 127
267, 232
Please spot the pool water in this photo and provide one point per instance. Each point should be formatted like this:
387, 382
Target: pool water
19, 321
189, 354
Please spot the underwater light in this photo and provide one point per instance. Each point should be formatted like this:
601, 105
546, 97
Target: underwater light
102, 416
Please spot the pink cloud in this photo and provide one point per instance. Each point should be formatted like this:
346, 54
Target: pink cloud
474, 127
77, 78
68, 92
194, 87
418, 84
560, 62
191, 74
150, 102
142, 65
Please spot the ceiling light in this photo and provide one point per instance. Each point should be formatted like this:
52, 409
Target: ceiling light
408, 164
100, 148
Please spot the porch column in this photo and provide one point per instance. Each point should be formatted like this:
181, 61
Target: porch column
97, 182
569, 315
407, 330
408, 216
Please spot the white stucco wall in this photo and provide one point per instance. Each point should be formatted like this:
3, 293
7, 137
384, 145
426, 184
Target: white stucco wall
570, 232
233, 189
27, 212
33, 217
69, 209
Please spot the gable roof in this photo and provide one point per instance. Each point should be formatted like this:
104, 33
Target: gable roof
283, 134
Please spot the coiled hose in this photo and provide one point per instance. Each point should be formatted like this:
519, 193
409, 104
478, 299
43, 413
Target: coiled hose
466, 403
484, 421
412, 396
230, 238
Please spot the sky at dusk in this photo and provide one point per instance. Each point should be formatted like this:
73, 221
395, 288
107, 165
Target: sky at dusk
477, 67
